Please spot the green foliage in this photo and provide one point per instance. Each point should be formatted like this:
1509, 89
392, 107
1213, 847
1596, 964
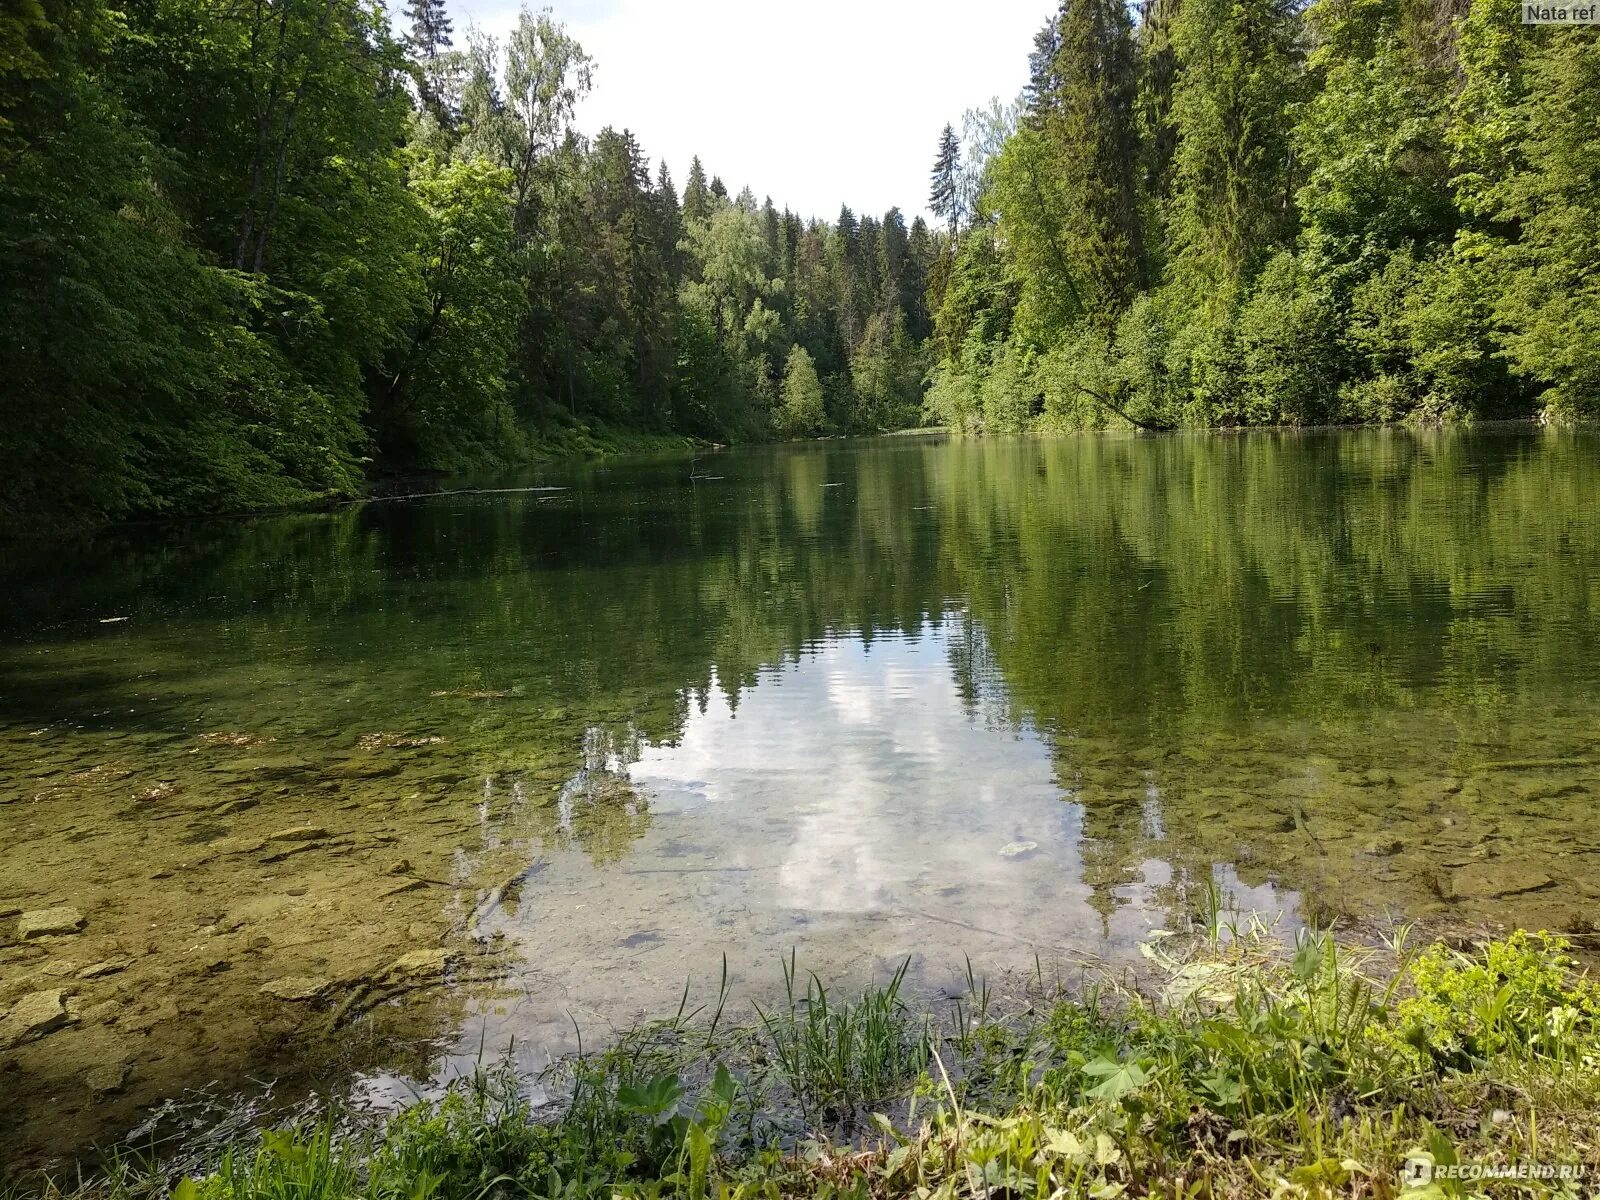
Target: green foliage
1251, 1066
445, 397
1520, 998
251, 254
802, 413
330, 251
1290, 342
1087, 146
1348, 211
1550, 307
839, 1055
1239, 77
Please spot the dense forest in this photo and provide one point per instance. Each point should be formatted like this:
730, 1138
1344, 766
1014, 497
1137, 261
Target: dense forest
256, 251
253, 250
1226, 212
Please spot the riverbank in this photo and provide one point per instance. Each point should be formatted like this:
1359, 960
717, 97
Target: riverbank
1238, 1064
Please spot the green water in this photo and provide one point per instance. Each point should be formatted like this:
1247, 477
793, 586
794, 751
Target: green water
463, 771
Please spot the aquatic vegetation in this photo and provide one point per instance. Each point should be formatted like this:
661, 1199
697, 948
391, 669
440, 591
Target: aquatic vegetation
837, 1054
1244, 1064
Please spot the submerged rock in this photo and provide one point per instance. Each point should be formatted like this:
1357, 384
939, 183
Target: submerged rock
296, 988
49, 922
1017, 849
298, 833
1385, 847
107, 1077
1493, 879
396, 741
417, 964
234, 738
236, 845
32, 1017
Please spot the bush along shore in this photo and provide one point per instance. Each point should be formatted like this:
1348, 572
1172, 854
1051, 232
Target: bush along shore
1243, 1063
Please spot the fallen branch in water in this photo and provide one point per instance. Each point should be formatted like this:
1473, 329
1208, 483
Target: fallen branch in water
1102, 399
457, 492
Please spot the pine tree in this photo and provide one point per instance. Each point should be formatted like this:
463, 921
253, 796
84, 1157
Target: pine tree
944, 195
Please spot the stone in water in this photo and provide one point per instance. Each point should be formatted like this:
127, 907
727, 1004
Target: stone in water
295, 988
32, 1017
49, 922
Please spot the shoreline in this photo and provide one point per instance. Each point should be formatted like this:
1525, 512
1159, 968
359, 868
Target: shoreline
635, 445
1237, 1061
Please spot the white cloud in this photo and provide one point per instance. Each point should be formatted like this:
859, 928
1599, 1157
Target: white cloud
814, 104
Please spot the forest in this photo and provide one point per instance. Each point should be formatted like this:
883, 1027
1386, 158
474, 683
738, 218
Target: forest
256, 252
253, 252
1245, 212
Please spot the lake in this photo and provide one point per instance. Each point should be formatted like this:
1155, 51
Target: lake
345, 799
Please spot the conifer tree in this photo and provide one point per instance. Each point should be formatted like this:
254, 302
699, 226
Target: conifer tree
427, 41
1087, 118
944, 194
669, 222
430, 28
696, 196
1158, 73
1042, 63
1239, 75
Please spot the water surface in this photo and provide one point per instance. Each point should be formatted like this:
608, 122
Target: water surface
352, 794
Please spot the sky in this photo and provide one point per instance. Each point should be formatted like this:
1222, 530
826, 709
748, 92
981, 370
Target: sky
817, 103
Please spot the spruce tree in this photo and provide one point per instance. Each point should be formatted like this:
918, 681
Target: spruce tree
428, 39
1158, 72
430, 29
696, 196
1042, 78
1087, 121
669, 222
1240, 74
944, 194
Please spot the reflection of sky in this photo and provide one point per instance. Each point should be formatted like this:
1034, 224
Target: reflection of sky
850, 806
889, 787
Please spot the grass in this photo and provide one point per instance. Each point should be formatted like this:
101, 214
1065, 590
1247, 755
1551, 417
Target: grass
1246, 1065
837, 1058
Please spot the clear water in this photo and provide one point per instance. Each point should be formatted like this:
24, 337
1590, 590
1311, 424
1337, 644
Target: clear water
903, 697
